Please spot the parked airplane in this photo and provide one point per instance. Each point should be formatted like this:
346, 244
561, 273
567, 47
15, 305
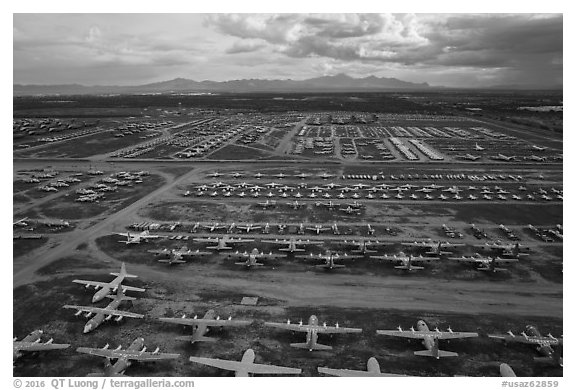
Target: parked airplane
470, 157
107, 313
200, 325
485, 263
370, 230
249, 226
295, 205
32, 343
535, 158
214, 174
325, 175
502, 157
292, 244
435, 247
372, 369
222, 241
328, 258
303, 175
21, 222
106, 288
406, 261
137, 238
175, 256
246, 366
478, 147
350, 210
312, 330
251, 258
214, 226
539, 148
318, 229
532, 336
136, 351
330, 205
429, 338
355, 205
362, 246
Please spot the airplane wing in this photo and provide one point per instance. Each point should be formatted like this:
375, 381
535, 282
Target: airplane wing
90, 283
207, 322
99, 310
336, 329
131, 355
32, 347
248, 367
464, 259
352, 373
306, 328
527, 340
422, 334
286, 326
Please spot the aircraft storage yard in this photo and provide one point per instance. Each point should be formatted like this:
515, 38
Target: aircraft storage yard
307, 237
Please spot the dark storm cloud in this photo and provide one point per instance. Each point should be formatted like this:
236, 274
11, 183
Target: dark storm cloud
458, 40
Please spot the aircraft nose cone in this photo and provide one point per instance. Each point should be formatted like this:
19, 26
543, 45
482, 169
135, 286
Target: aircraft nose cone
87, 328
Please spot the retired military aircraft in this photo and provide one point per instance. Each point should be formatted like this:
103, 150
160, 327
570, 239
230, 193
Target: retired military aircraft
251, 258
485, 263
200, 325
406, 261
106, 313
531, 335
328, 258
32, 343
435, 248
372, 369
175, 256
312, 329
106, 287
318, 229
429, 338
249, 226
246, 366
292, 244
222, 241
361, 246
137, 238
136, 351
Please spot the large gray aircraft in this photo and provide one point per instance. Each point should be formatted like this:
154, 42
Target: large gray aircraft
435, 248
531, 335
292, 244
106, 287
329, 258
137, 238
488, 264
136, 351
32, 343
106, 313
429, 338
373, 369
246, 366
252, 258
176, 256
406, 262
221, 242
200, 325
312, 329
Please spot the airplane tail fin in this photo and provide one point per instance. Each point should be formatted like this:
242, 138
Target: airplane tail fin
435, 352
123, 272
317, 347
194, 339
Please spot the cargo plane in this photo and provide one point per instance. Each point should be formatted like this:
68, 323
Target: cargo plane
312, 329
429, 338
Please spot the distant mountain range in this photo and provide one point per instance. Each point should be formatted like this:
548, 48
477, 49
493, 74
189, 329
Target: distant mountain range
337, 83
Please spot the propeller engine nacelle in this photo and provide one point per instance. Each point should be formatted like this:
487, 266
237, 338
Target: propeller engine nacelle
119, 318
155, 352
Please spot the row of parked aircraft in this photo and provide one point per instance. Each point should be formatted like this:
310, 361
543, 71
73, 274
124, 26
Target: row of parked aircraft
510, 253
281, 175
384, 191
429, 338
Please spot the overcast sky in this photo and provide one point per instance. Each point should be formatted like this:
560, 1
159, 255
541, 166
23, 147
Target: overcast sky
461, 50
